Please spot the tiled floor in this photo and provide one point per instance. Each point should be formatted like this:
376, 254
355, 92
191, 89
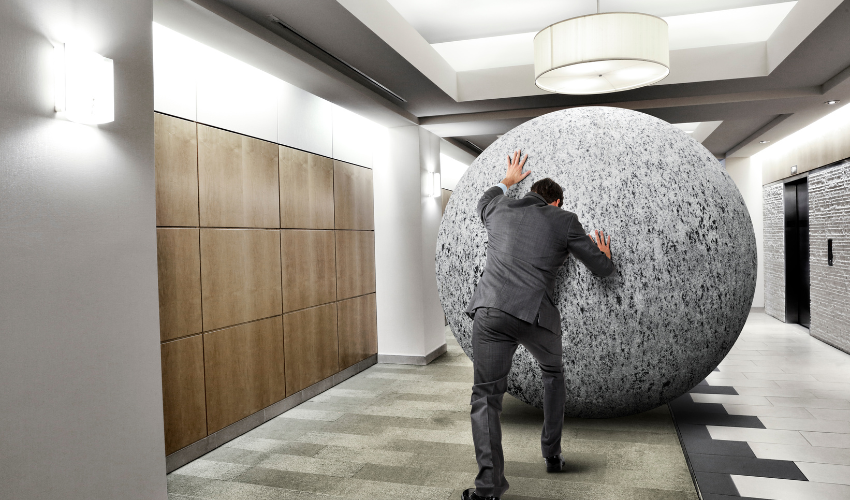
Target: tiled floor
398, 431
773, 421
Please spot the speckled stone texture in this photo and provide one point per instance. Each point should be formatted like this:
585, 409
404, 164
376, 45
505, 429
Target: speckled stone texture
683, 247
774, 250
829, 217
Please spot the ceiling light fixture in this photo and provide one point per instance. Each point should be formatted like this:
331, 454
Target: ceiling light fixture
602, 53
763, 142
831, 102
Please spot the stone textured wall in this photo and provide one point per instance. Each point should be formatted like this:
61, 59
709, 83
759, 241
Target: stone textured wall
829, 217
774, 252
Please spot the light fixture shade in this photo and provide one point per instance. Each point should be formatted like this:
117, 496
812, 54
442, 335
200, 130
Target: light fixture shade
84, 85
601, 53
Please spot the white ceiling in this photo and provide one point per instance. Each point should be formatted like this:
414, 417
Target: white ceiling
451, 20
707, 29
743, 43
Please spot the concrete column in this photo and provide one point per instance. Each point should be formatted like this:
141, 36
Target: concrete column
407, 217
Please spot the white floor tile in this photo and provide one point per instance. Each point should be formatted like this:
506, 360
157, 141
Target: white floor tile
829, 414
795, 453
787, 489
768, 411
756, 435
828, 439
730, 399
797, 377
774, 391
806, 424
824, 386
717, 379
835, 404
736, 362
825, 473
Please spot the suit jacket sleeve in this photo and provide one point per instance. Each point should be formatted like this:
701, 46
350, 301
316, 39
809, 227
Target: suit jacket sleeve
488, 196
585, 250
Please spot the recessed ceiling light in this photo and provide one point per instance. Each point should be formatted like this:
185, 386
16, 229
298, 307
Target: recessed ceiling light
763, 142
832, 102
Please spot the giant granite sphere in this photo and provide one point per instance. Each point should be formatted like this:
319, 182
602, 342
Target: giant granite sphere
683, 247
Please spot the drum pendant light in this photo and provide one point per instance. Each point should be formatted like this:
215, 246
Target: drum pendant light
601, 53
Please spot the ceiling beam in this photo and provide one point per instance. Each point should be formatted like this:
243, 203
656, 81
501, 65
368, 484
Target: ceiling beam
758, 133
528, 113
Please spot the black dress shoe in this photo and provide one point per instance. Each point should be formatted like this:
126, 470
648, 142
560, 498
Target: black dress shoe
471, 495
554, 464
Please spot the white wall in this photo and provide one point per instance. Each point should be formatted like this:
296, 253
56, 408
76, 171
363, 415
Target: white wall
80, 383
196, 82
410, 317
747, 176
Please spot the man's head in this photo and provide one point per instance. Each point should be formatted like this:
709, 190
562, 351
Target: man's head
550, 191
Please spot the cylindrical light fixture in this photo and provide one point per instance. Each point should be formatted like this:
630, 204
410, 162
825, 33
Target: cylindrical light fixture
601, 53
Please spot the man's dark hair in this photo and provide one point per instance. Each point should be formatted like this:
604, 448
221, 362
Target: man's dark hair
549, 190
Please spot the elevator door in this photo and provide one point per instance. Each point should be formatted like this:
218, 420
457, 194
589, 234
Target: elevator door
797, 282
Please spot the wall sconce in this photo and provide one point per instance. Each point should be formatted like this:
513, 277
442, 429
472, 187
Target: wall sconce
85, 89
432, 185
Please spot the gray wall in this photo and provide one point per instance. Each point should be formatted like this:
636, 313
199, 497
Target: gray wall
80, 385
829, 217
774, 252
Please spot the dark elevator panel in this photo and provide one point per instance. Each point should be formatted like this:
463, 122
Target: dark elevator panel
797, 281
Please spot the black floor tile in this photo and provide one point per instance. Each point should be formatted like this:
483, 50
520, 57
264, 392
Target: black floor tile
746, 466
714, 496
685, 411
720, 484
713, 389
698, 441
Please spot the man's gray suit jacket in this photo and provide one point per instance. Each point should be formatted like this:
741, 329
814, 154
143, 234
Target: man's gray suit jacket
528, 242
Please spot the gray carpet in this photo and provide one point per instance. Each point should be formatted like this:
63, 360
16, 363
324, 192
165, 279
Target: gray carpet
400, 431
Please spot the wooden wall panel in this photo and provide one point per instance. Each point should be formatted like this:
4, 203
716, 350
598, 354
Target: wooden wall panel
446, 195
309, 268
176, 153
357, 329
183, 392
355, 263
310, 346
353, 197
238, 179
244, 370
240, 275
306, 190
178, 256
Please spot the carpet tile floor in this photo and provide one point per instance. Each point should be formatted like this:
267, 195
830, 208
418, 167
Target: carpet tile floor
400, 431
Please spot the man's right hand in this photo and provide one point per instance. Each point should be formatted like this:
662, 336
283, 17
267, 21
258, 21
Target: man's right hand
515, 173
604, 246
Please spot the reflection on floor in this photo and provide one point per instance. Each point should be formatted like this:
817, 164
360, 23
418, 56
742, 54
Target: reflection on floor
773, 422
397, 431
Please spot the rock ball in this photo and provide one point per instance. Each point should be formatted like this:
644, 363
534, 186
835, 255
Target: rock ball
682, 243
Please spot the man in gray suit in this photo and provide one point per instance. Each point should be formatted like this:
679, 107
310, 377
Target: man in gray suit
529, 239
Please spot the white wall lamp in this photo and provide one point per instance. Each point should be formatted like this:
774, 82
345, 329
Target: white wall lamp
85, 90
433, 186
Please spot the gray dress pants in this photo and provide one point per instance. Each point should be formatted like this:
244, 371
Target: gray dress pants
495, 336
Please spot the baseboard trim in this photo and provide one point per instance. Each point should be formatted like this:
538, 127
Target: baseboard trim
757, 309
203, 446
400, 359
